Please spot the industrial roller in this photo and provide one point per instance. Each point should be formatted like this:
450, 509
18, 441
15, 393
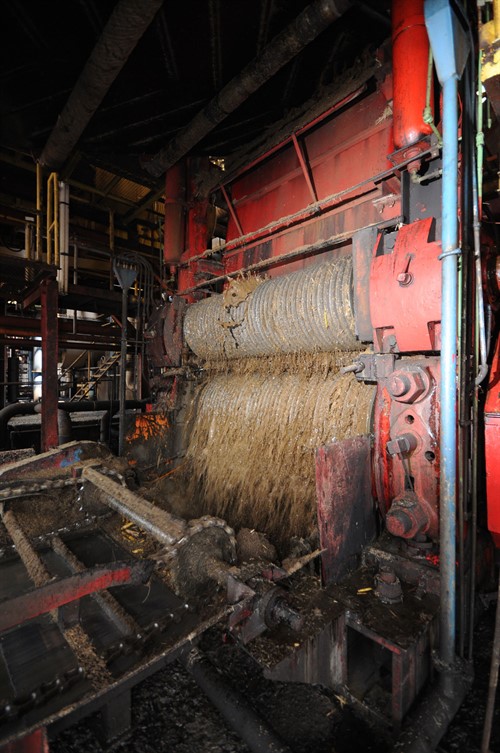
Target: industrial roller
313, 480
253, 439
306, 311
254, 431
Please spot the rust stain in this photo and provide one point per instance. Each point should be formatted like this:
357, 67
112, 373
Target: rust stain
147, 426
174, 470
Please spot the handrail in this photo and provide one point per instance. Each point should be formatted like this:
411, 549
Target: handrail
38, 254
53, 219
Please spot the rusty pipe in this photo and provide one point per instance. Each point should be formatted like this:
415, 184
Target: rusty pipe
235, 709
64, 427
128, 22
284, 47
410, 54
15, 409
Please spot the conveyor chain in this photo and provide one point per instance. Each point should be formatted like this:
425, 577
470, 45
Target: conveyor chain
39, 695
36, 486
124, 646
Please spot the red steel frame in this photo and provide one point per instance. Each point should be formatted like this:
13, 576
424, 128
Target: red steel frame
49, 330
405, 292
312, 191
492, 447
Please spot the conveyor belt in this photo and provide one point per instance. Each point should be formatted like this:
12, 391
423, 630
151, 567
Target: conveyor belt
53, 664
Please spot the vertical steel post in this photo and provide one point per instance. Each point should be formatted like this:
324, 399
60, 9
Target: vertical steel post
123, 373
63, 230
125, 275
50, 388
448, 391
175, 202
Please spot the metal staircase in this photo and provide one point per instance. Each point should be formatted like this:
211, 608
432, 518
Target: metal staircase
103, 368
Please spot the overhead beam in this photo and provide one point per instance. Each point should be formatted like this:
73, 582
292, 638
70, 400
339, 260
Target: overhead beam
149, 199
19, 326
24, 164
127, 24
283, 48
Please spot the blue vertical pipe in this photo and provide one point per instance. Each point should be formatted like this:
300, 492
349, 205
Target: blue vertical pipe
448, 35
448, 396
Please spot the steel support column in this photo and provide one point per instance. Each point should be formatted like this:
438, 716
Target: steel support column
50, 301
125, 275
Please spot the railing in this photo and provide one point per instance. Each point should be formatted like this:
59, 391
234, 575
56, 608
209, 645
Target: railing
96, 376
53, 220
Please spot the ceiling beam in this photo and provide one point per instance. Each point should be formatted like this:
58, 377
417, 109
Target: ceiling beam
103, 194
284, 47
215, 42
167, 49
128, 22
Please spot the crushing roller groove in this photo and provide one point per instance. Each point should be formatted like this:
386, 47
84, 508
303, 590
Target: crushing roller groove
252, 439
303, 312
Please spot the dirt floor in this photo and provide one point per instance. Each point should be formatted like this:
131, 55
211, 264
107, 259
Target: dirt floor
170, 713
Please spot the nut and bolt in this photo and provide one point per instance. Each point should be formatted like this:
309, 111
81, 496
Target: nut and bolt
402, 445
399, 385
408, 385
405, 278
388, 586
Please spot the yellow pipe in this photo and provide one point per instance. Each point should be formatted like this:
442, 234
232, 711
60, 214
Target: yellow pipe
49, 224
38, 254
53, 219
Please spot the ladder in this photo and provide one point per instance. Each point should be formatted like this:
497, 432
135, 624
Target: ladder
96, 377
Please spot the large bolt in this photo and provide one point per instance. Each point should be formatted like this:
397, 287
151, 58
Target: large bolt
406, 517
405, 278
388, 586
408, 385
399, 384
402, 445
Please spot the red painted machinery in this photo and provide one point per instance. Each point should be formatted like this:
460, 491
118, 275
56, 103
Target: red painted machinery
299, 383
334, 242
